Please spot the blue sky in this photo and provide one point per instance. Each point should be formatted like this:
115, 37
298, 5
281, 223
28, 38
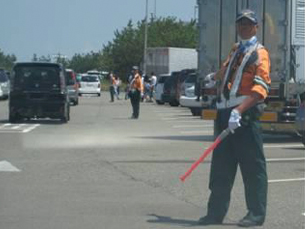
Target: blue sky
47, 27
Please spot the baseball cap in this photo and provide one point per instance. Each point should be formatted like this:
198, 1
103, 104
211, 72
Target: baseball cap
247, 14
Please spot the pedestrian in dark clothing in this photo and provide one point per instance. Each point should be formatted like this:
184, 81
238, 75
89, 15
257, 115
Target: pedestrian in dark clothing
243, 84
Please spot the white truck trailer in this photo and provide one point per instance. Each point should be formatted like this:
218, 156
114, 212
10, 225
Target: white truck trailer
282, 32
164, 60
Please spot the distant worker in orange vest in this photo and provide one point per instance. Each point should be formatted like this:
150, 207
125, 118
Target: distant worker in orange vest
135, 92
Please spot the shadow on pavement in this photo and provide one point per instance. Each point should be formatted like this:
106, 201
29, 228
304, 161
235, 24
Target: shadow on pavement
170, 220
181, 222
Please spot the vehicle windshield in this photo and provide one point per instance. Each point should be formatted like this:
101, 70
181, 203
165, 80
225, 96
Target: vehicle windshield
89, 79
3, 77
37, 77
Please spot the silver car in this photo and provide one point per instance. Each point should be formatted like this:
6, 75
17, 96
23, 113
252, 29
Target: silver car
4, 85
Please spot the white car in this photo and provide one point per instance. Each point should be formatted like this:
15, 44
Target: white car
4, 85
190, 100
159, 88
89, 84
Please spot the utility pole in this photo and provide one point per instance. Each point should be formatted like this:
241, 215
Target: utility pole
145, 38
155, 12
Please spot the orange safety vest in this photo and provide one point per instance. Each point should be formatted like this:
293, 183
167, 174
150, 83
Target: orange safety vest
255, 74
137, 83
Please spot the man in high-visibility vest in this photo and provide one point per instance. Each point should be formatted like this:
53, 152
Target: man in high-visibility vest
243, 83
136, 90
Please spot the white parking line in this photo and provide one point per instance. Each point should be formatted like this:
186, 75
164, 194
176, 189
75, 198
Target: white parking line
283, 145
6, 166
178, 118
197, 132
189, 121
286, 180
30, 128
192, 126
286, 159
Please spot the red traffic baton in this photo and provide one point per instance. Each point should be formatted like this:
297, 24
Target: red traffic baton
220, 137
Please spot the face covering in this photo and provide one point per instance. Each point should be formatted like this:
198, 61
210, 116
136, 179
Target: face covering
244, 44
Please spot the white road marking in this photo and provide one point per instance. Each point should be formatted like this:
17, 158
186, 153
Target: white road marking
178, 118
286, 159
283, 145
197, 132
169, 111
30, 128
17, 128
188, 121
286, 180
191, 126
6, 166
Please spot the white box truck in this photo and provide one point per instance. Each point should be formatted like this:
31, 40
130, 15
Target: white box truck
164, 60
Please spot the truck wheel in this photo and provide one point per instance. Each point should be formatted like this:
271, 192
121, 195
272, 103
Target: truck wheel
159, 102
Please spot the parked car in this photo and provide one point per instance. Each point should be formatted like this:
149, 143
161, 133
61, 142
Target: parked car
190, 81
172, 86
159, 88
191, 100
90, 84
169, 90
72, 86
38, 90
4, 85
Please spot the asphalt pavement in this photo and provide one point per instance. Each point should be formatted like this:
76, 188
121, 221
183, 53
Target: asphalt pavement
105, 170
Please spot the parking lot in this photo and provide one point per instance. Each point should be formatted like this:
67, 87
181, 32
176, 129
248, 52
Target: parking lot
105, 170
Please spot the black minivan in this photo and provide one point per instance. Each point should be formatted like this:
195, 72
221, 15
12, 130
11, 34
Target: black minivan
38, 90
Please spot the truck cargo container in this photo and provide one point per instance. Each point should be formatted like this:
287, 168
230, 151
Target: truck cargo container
164, 60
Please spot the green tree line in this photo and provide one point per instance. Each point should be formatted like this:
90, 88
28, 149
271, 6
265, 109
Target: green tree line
7, 61
127, 47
